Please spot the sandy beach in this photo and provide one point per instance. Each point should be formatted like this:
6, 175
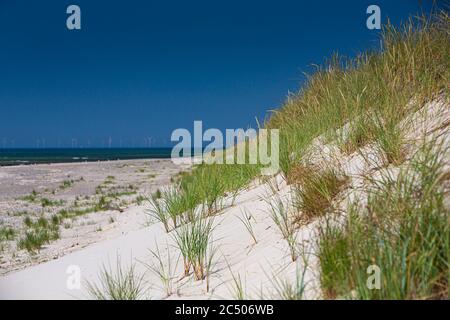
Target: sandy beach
256, 265
43, 190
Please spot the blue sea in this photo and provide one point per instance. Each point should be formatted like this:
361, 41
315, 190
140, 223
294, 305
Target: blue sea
17, 156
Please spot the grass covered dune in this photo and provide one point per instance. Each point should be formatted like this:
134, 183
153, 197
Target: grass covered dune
369, 95
398, 222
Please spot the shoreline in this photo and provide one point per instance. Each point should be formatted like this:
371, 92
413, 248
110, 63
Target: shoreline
28, 156
77, 162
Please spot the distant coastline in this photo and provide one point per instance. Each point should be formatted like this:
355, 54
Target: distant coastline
27, 156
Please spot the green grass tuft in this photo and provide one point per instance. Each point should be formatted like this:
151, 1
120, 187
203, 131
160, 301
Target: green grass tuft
194, 242
404, 230
315, 193
119, 284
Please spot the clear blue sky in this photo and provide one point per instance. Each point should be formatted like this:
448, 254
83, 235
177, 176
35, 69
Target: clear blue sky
144, 68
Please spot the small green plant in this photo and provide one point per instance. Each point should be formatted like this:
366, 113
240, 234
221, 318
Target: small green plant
27, 221
32, 197
285, 289
119, 284
55, 219
99, 189
210, 261
102, 204
18, 213
281, 217
193, 240
158, 212
215, 189
315, 193
361, 131
164, 269
66, 184
7, 233
205, 186
45, 202
36, 238
38, 233
140, 199
390, 140
188, 203
157, 194
272, 183
284, 220
238, 289
174, 205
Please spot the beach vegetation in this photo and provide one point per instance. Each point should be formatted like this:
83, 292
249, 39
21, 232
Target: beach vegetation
315, 191
66, 184
32, 197
237, 289
205, 187
157, 194
284, 219
286, 289
18, 213
7, 233
158, 212
27, 221
139, 199
164, 268
194, 241
38, 233
45, 202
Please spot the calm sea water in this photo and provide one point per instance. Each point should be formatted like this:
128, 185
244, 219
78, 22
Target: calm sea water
58, 155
